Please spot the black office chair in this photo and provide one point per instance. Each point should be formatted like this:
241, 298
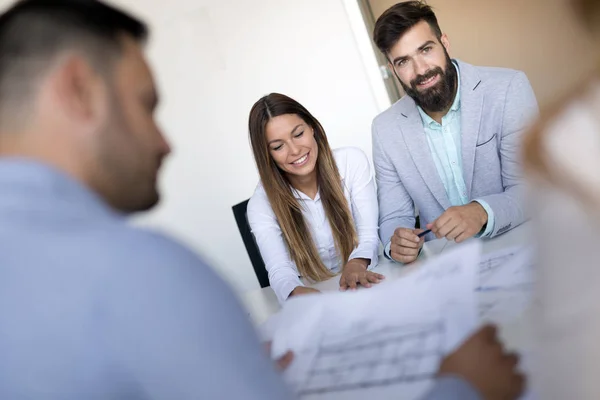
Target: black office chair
241, 218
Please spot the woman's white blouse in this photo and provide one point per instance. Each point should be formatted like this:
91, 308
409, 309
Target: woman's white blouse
360, 192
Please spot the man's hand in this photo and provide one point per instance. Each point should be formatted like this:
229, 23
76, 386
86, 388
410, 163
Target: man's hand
355, 272
405, 245
284, 361
482, 362
300, 290
460, 223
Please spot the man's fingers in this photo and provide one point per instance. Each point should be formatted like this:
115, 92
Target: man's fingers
447, 228
462, 237
441, 221
488, 332
497, 351
404, 233
403, 259
486, 340
285, 361
520, 382
402, 241
407, 243
404, 251
410, 236
455, 232
267, 346
512, 359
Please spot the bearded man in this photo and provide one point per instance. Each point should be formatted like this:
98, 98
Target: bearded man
450, 148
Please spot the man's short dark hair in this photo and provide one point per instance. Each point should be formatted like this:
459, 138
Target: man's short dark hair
398, 19
34, 32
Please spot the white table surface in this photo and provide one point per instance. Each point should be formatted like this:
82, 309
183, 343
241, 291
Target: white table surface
262, 303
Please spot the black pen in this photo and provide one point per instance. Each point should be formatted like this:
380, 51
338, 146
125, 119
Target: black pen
424, 233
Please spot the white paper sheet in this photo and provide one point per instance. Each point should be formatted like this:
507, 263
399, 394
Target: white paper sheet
505, 288
505, 284
509, 269
382, 343
504, 307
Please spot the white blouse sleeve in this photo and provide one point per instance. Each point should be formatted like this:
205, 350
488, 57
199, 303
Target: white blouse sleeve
283, 275
359, 181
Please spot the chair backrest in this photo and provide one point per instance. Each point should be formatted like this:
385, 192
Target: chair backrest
240, 212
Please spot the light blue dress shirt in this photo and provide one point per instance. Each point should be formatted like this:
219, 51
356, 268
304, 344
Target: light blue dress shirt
93, 308
445, 145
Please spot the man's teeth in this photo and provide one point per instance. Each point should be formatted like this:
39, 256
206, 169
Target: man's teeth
426, 81
300, 161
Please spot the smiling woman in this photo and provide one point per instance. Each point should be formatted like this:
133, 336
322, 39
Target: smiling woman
314, 213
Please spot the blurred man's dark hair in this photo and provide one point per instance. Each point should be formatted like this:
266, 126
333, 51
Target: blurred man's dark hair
34, 34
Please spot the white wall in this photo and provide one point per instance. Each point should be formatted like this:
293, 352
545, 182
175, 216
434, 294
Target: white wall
213, 60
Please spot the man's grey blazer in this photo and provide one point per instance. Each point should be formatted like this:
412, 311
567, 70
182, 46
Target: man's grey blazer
497, 107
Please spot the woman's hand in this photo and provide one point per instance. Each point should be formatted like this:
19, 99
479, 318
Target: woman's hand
355, 272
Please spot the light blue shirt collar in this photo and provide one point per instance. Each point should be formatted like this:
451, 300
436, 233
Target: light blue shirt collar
30, 180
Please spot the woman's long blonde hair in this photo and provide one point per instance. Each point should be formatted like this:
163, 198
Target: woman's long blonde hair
285, 206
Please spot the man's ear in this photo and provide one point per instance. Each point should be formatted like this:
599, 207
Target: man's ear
80, 89
390, 66
445, 42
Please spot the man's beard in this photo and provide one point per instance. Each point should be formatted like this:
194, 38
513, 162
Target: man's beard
129, 182
439, 97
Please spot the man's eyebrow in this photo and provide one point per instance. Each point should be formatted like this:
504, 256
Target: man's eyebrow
427, 43
421, 47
